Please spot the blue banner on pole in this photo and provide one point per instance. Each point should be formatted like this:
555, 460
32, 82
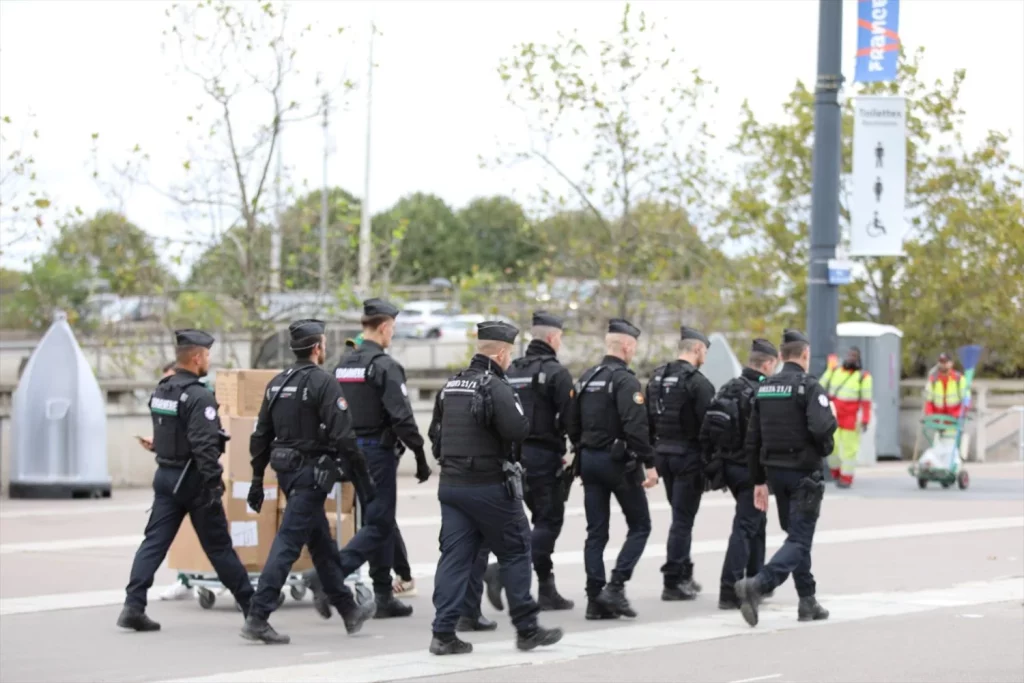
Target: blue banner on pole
878, 40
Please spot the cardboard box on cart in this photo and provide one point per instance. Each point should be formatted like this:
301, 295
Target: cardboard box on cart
305, 560
240, 392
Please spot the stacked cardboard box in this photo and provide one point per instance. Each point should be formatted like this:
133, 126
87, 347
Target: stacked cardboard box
239, 393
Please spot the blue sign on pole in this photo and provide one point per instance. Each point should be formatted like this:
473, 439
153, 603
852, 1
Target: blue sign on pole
878, 40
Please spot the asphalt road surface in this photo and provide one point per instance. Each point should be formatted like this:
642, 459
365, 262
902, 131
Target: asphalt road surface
922, 586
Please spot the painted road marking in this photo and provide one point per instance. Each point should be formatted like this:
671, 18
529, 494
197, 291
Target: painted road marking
418, 664
103, 598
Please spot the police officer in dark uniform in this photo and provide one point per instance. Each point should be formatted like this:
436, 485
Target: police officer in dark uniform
305, 433
678, 395
374, 386
791, 430
609, 423
188, 442
546, 391
479, 423
723, 435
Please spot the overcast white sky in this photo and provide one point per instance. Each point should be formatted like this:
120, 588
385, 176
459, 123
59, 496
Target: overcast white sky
86, 66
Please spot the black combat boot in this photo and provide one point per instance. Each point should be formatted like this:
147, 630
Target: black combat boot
749, 595
357, 615
477, 623
388, 606
537, 637
548, 597
596, 611
613, 598
680, 591
811, 610
691, 585
136, 619
449, 644
727, 600
320, 602
492, 582
260, 629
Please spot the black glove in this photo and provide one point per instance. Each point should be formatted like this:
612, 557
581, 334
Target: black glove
423, 470
255, 497
212, 496
325, 473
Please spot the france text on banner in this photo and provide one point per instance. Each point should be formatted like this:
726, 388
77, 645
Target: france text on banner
878, 40
877, 224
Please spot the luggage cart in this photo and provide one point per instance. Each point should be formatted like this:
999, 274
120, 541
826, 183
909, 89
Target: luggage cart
207, 586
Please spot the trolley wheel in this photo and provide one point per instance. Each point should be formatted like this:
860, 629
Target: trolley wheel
206, 597
363, 594
922, 483
963, 480
280, 598
298, 592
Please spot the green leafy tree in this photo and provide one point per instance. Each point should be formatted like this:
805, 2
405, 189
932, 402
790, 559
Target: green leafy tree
505, 241
49, 285
961, 203
435, 242
632, 102
23, 203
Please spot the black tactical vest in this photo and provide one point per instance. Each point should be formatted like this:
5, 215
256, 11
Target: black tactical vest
295, 412
362, 382
461, 435
782, 406
599, 415
170, 427
675, 424
528, 377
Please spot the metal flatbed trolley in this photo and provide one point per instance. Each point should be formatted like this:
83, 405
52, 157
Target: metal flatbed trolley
206, 584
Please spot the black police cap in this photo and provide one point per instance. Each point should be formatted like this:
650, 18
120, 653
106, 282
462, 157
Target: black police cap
303, 329
794, 336
375, 307
496, 330
545, 319
192, 338
764, 346
623, 326
690, 333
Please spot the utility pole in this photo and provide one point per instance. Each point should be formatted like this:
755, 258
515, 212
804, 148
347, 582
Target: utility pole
364, 222
323, 203
823, 298
275, 232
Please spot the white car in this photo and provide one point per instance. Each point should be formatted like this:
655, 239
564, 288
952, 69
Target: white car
423, 319
463, 327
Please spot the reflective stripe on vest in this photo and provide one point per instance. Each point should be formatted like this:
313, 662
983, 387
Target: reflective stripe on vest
948, 396
847, 385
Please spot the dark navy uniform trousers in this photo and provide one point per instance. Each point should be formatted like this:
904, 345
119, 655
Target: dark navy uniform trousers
684, 487
375, 541
544, 499
603, 478
472, 518
304, 524
210, 523
745, 554
794, 557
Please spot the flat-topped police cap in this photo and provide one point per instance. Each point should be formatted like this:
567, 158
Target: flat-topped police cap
794, 336
496, 330
623, 326
192, 338
764, 346
545, 319
690, 333
375, 307
303, 329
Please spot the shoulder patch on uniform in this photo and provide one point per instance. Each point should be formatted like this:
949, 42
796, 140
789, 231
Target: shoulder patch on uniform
210, 413
638, 398
342, 403
405, 391
823, 400
183, 397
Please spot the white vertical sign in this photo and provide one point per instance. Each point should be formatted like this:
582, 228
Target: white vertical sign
877, 224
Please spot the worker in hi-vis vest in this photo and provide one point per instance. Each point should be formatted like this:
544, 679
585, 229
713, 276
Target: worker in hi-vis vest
849, 387
947, 389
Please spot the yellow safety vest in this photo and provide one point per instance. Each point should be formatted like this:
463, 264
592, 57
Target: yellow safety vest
847, 385
950, 395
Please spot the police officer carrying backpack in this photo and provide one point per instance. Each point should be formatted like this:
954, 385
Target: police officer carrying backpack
478, 424
723, 435
610, 425
791, 429
305, 433
545, 388
382, 418
678, 395
188, 442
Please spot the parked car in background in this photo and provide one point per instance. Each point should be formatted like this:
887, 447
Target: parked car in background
463, 327
423, 319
